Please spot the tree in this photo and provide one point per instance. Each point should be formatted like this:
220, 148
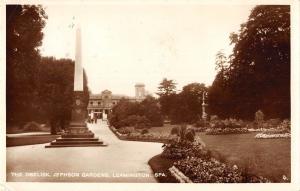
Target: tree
143, 114
55, 90
259, 76
187, 107
166, 90
24, 24
221, 61
219, 95
166, 87
150, 109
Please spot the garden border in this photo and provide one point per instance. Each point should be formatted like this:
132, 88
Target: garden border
141, 139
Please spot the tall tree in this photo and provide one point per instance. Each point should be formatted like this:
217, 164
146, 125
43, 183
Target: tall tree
166, 87
166, 90
187, 107
24, 24
259, 76
55, 90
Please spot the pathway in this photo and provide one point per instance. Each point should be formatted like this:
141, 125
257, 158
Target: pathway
120, 161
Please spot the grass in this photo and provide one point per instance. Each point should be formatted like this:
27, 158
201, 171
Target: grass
29, 140
270, 158
16, 130
161, 165
165, 130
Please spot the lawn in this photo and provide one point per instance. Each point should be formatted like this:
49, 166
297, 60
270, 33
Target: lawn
165, 130
16, 130
264, 157
29, 140
270, 158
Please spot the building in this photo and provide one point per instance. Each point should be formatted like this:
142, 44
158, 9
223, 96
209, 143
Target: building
101, 104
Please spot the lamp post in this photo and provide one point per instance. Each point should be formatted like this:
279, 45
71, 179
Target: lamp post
204, 114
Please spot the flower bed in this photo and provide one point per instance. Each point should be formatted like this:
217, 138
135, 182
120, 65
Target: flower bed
129, 136
180, 177
222, 131
208, 171
197, 163
281, 131
200, 129
200, 170
181, 149
272, 136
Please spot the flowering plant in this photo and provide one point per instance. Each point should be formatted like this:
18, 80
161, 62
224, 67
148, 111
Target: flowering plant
220, 131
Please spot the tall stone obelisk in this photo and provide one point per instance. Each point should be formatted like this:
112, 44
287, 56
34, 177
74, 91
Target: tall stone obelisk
78, 124
77, 135
78, 75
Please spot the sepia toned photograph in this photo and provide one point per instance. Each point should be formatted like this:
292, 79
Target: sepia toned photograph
148, 92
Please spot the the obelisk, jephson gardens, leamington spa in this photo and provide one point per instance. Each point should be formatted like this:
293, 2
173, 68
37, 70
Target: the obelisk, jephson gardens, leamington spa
77, 134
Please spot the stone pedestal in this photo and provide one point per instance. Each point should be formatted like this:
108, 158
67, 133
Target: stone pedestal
77, 135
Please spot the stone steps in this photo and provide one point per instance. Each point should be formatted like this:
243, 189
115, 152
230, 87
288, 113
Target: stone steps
86, 139
82, 145
86, 135
76, 142
77, 139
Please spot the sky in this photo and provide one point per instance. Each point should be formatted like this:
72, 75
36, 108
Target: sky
128, 43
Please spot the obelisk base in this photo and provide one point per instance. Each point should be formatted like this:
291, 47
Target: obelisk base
77, 135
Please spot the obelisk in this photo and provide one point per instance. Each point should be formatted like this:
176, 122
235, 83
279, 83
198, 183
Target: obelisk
78, 74
78, 124
77, 134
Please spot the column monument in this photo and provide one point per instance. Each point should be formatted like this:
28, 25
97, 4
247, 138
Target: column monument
77, 134
204, 105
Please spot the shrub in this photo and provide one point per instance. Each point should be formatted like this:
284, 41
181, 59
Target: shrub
144, 131
201, 123
232, 123
217, 124
210, 170
176, 149
285, 124
219, 131
259, 116
141, 115
123, 130
32, 126
190, 135
139, 122
214, 118
274, 122
174, 131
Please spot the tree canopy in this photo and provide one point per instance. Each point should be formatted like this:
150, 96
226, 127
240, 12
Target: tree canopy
141, 115
55, 90
166, 91
166, 87
187, 105
24, 24
257, 75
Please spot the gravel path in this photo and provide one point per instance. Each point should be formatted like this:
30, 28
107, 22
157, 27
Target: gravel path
120, 161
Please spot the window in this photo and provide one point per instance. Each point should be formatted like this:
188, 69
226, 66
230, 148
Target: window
99, 103
91, 103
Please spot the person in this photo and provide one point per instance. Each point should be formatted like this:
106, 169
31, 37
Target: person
92, 117
89, 118
95, 119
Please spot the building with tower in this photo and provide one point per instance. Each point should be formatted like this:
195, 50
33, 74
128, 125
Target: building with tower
139, 91
101, 104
